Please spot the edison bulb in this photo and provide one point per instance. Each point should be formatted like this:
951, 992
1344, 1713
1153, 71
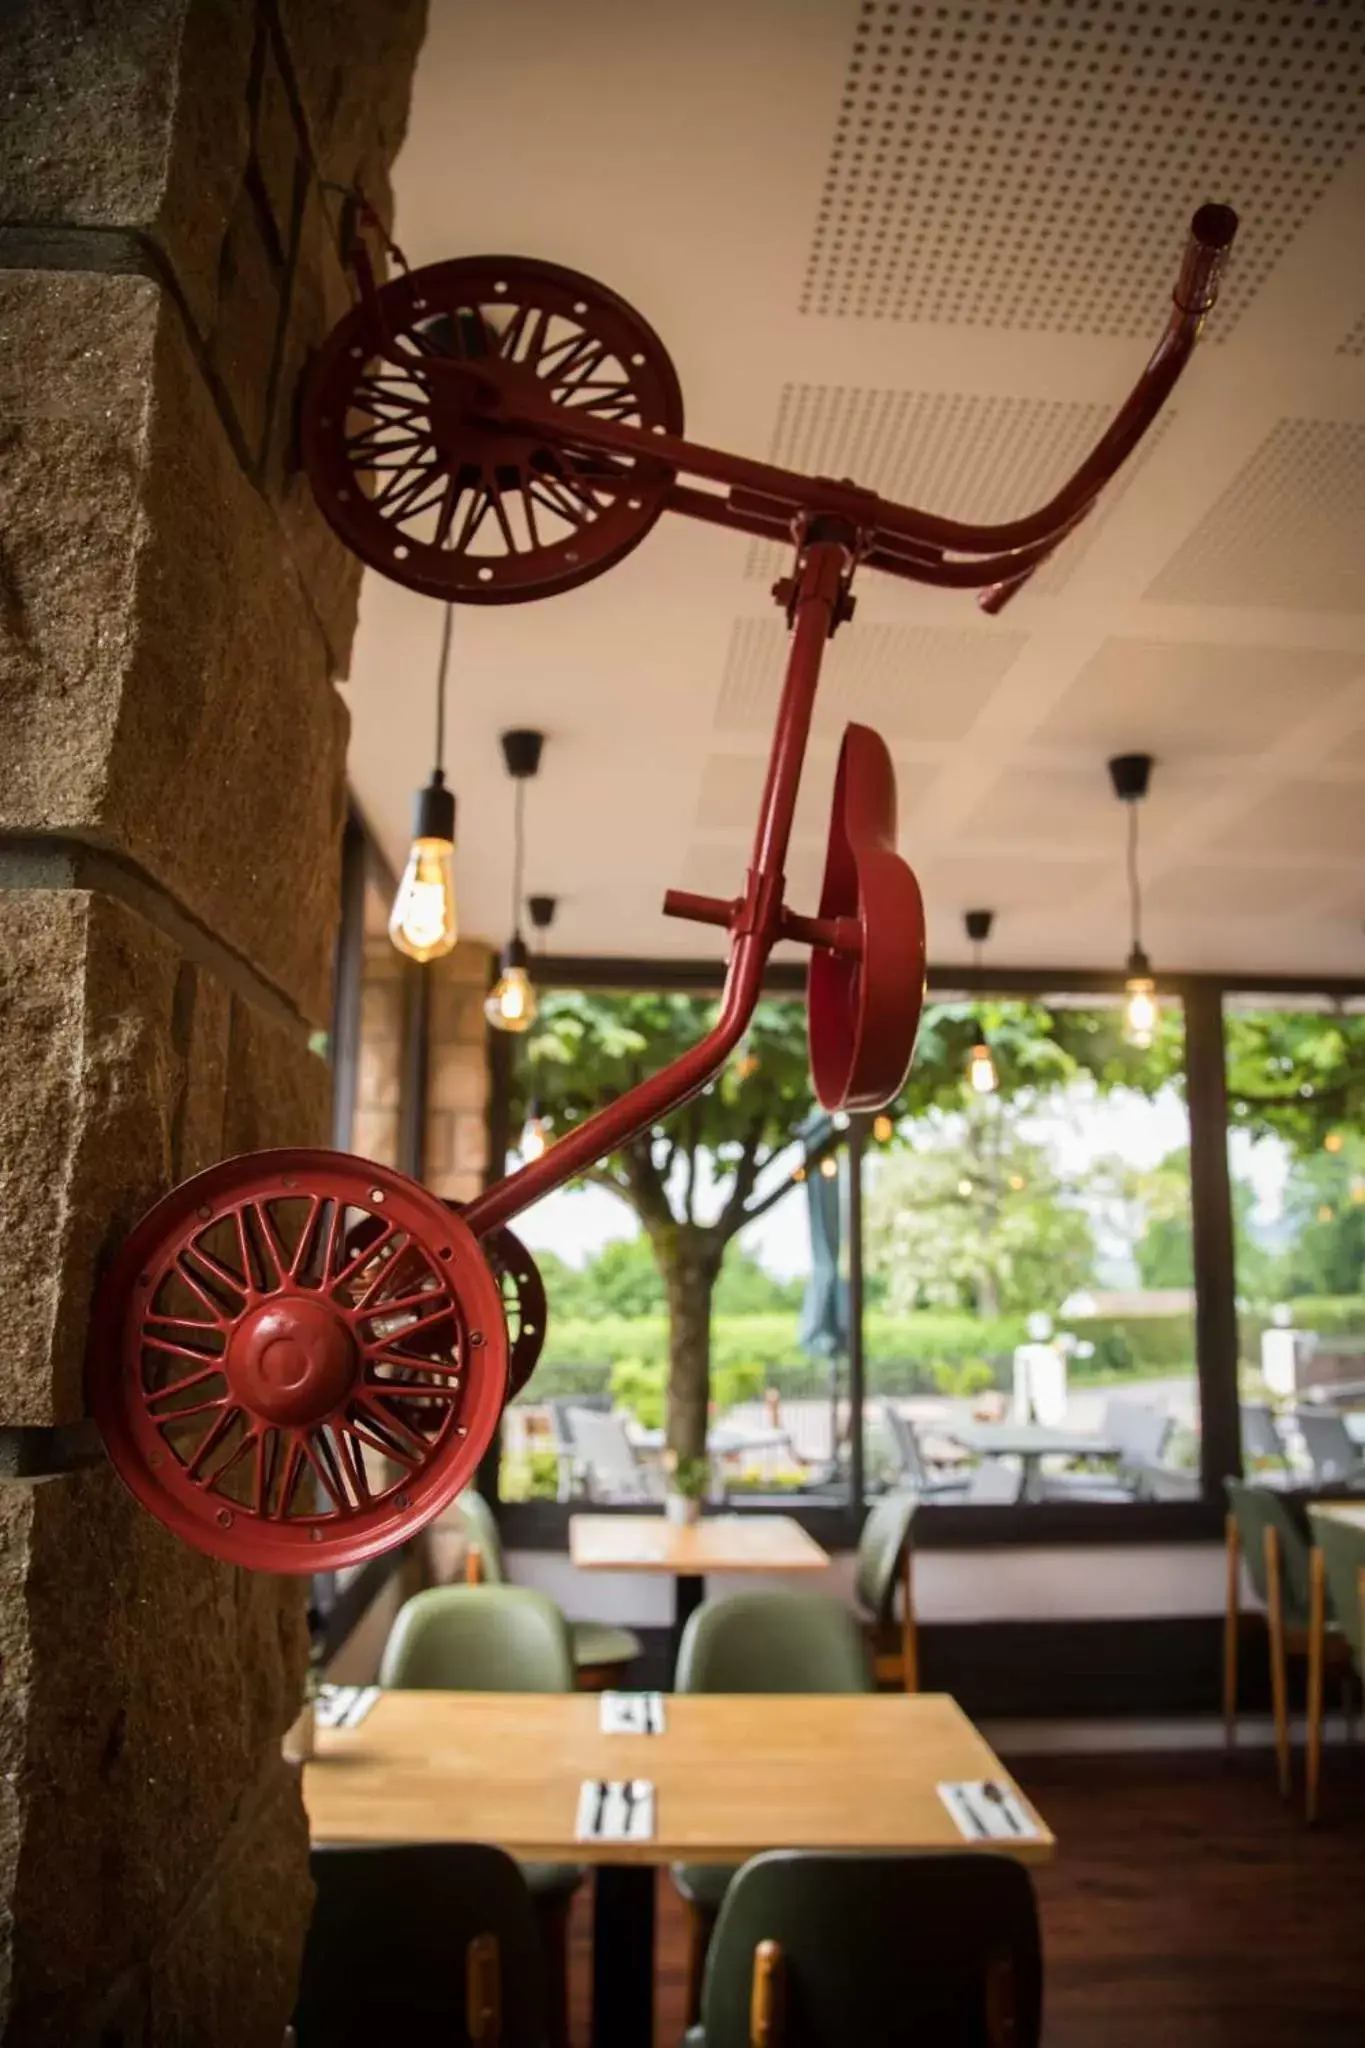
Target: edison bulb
883, 1129
1140, 1011
422, 922
535, 1138
981, 1070
511, 1003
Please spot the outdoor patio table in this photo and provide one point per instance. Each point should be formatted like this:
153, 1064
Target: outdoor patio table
1030, 1442
717, 1543
732, 1776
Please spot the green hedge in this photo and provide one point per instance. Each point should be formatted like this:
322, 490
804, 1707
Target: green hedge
925, 1353
1331, 1315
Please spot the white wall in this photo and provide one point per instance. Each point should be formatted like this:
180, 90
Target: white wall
1096, 1583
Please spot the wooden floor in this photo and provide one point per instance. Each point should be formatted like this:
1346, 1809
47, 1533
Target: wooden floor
1187, 1907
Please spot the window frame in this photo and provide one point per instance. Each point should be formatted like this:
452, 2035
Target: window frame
541, 1525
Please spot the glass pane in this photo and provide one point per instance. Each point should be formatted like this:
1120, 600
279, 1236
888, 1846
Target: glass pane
1029, 1261
1296, 1151
679, 1275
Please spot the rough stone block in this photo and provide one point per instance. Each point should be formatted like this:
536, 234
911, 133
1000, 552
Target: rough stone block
374, 1135
226, 1977
158, 1685
278, 149
242, 350
353, 65
380, 1081
458, 1077
131, 116
278, 1092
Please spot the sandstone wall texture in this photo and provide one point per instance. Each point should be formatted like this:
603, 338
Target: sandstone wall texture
456, 1159
173, 614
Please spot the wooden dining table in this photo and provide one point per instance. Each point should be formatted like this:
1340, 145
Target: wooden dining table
732, 1775
692, 1552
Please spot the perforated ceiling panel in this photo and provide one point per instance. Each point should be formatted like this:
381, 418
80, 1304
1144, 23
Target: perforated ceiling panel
1277, 891
1289, 530
1034, 163
1175, 698
911, 682
1354, 344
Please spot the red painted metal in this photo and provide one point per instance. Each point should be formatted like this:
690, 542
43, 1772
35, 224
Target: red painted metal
818, 600
863, 1001
425, 485
524, 1303
249, 1364
467, 411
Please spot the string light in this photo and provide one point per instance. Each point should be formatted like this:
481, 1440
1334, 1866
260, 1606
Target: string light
512, 1004
982, 1078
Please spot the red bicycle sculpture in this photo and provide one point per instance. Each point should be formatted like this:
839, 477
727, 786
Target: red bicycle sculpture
489, 431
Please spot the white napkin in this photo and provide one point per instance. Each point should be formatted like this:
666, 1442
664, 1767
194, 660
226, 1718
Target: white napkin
985, 1811
615, 1810
344, 1706
632, 1713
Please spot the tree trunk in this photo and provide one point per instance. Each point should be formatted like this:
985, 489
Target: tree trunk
690, 1264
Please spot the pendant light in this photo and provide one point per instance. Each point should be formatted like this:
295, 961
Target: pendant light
536, 1135
422, 923
981, 1074
511, 1003
1131, 775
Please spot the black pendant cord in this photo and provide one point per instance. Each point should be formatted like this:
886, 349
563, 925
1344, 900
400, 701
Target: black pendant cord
446, 633
518, 853
1134, 888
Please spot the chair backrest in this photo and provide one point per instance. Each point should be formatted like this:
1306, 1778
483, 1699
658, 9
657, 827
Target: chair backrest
1256, 1509
387, 1953
881, 1951
1047, 1385
1261, 1439
881, 1547
993, 1483
481, 1528
1137, 1431
905, 1441
1343, 1560
1331, 1449
777, 1641
479, 1639
606, 1452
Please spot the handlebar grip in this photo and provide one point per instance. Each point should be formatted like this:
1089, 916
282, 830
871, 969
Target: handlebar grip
1211, 236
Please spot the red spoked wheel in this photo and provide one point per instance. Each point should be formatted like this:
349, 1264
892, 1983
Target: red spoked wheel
523, 1301
417, 475
863, 1005
297, 1359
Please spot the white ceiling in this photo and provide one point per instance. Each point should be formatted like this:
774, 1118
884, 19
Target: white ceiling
929, 246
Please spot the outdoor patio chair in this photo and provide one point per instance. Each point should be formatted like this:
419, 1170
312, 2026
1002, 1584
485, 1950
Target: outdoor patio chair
762, 1642
821, 1951
570, 1463
1337, 1604
994, 1484
427, 1942
495, 1639
600, 1651
1264, 1456
885, 1561
610, 1462
1139, 1433
1263, 1529
1332, 1450
915, 1471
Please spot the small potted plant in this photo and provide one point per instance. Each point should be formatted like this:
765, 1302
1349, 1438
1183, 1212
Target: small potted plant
687, 1481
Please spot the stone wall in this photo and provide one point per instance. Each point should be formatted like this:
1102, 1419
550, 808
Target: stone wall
457, 1074
172, 615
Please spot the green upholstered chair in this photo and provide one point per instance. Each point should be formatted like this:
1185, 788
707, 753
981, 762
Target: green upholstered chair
779, 1641
1336, 1608
495, 1639
1264, 1529
432, 1942
600, 1652
821, 1951
885, 1561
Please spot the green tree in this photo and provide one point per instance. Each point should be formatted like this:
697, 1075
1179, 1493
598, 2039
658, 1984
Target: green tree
1324, 1207
974, 1217
1296, 1074
694, 1181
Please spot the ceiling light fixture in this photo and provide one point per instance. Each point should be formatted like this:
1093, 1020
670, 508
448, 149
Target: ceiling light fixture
981, 1073
423, 923
1131, 775
511, 1004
